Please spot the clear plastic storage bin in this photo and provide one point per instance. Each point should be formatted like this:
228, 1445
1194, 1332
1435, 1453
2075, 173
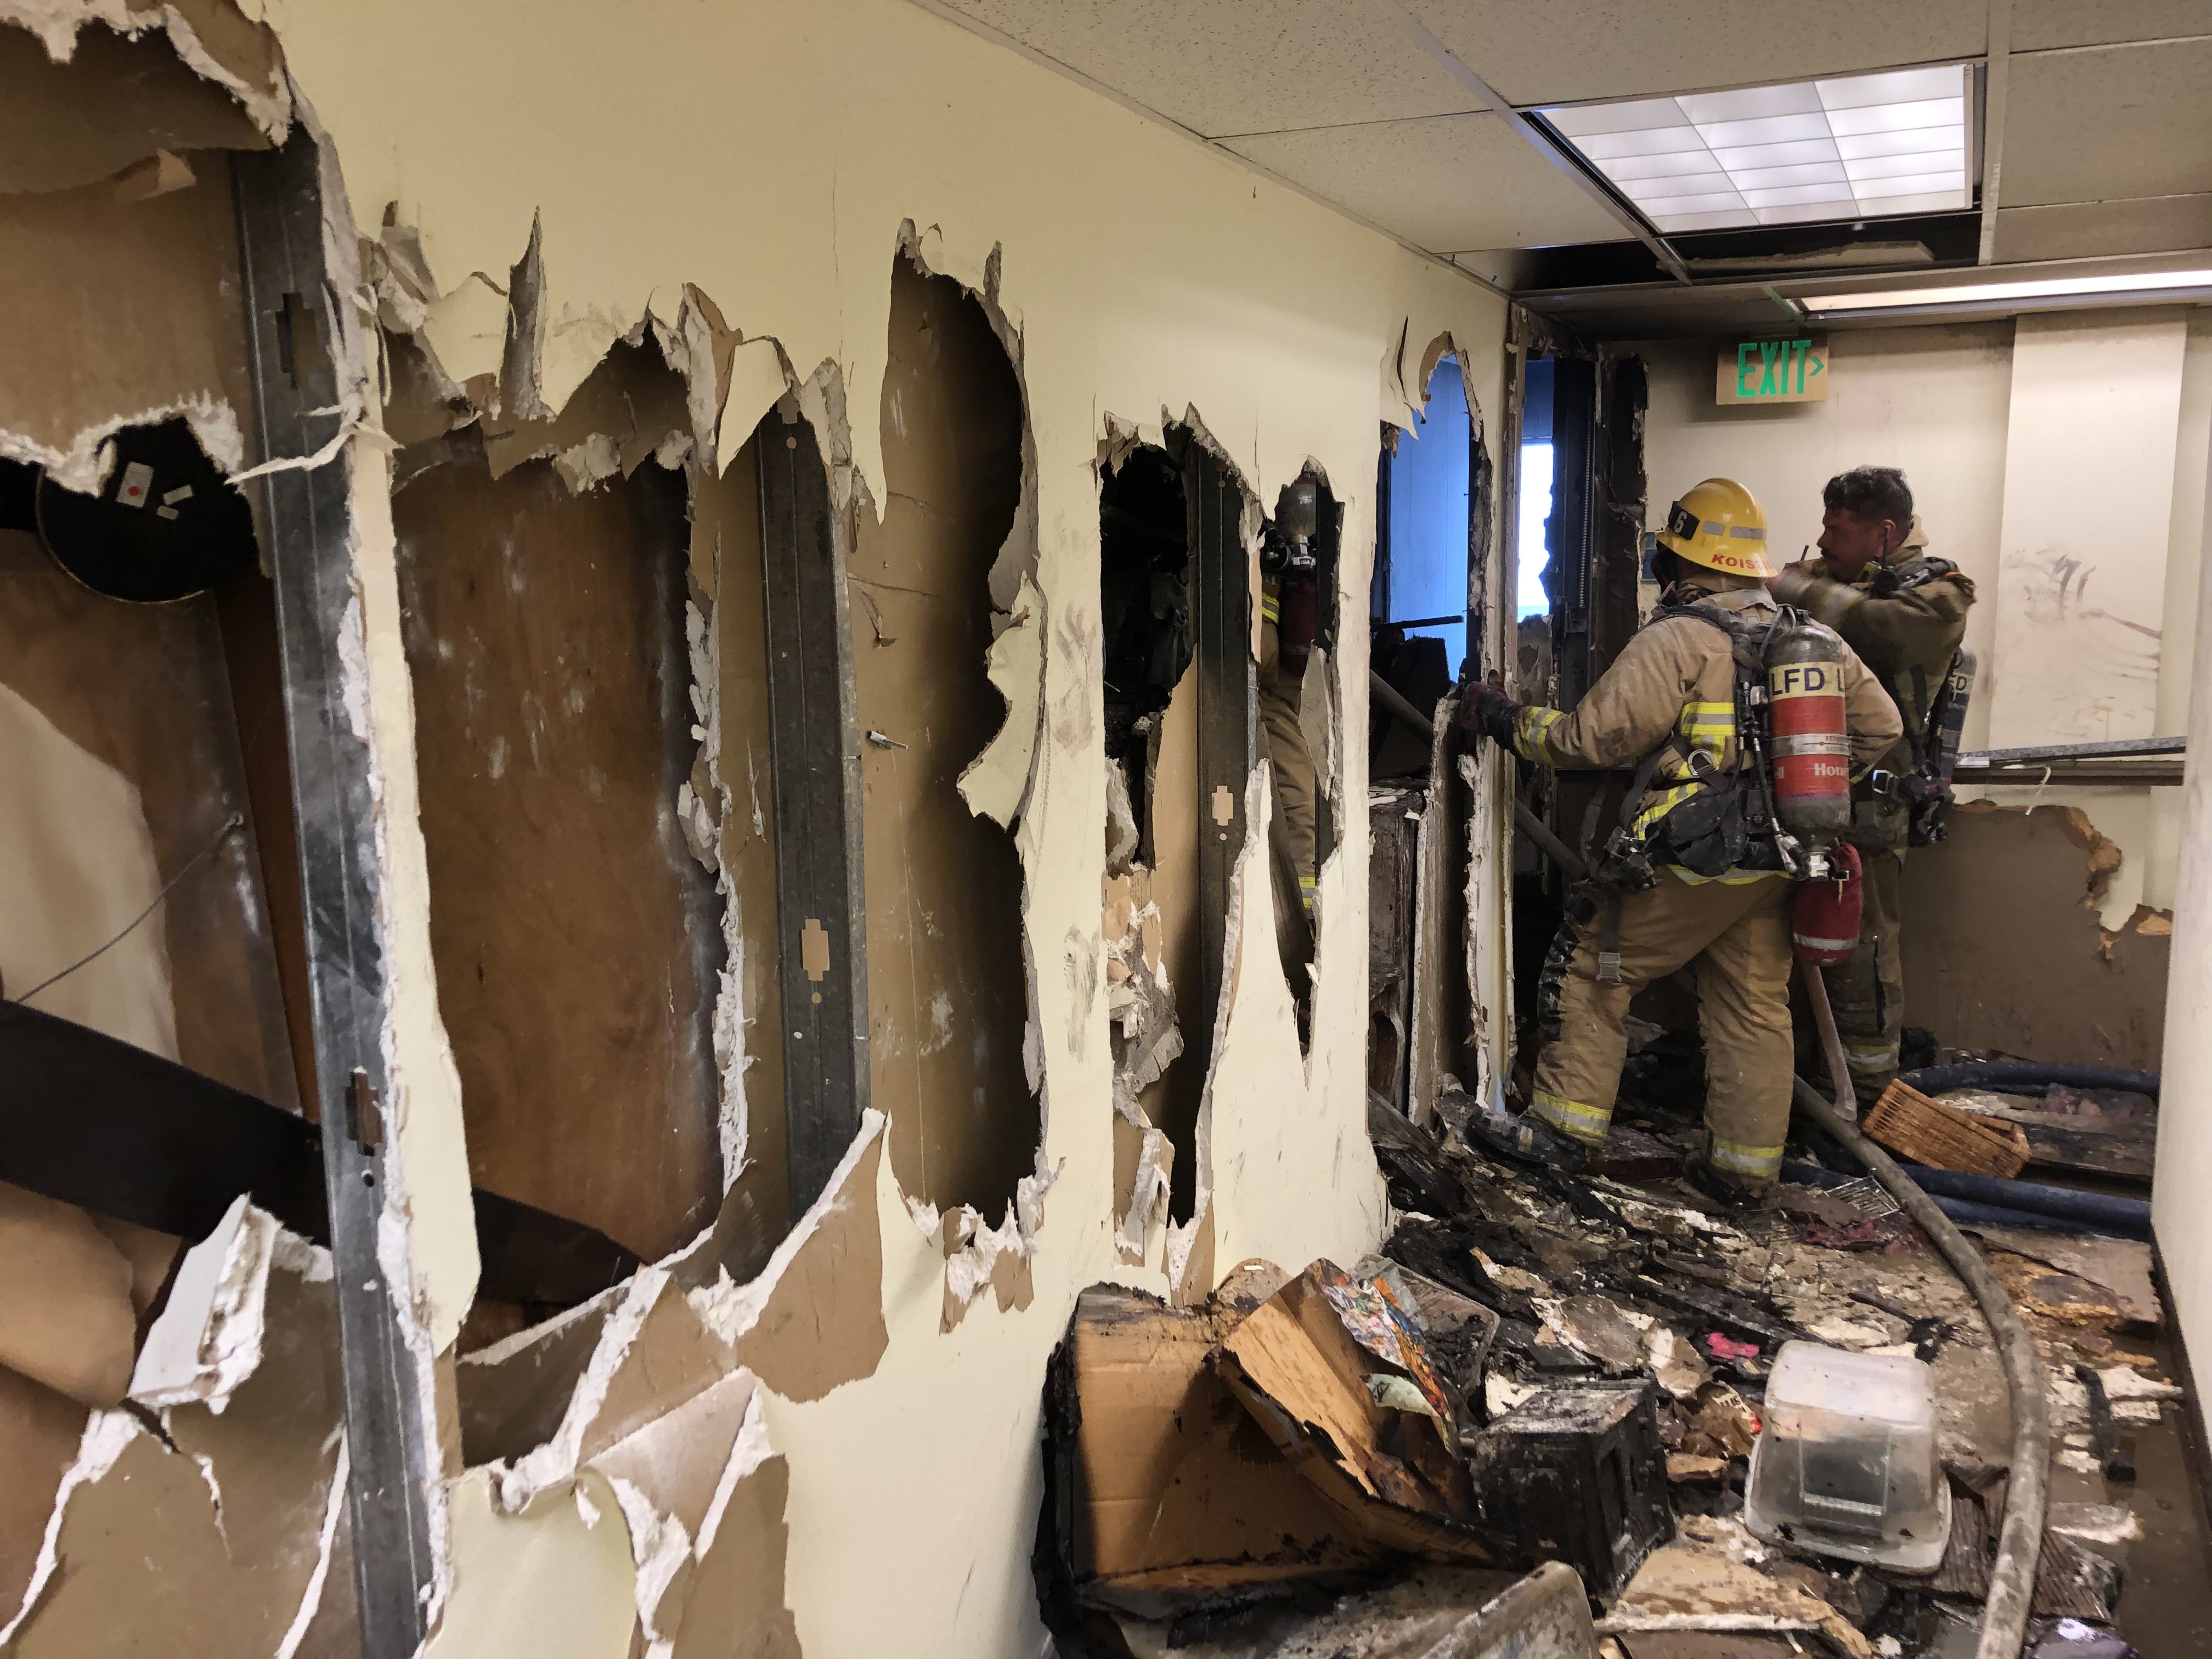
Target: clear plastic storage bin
1845, 1461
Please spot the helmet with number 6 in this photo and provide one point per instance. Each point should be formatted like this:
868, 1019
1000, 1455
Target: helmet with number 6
1718, 525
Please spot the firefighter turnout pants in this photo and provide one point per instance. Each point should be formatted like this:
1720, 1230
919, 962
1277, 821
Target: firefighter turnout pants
1292, 764
1868, 991
1738, 935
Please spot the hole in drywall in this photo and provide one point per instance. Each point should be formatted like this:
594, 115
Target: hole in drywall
1298, 553
577, 941
948, 1000
1150, 904
1177, 612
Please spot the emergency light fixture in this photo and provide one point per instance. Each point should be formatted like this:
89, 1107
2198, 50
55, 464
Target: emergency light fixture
1855, 146
2030, 292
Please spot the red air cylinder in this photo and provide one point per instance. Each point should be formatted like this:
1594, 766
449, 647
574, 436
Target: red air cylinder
1824, 915
1811, 751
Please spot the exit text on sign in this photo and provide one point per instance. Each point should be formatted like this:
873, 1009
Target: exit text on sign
1772, 372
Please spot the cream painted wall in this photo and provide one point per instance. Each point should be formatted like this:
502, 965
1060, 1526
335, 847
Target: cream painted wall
2180, 1217
768, 154
1939, 401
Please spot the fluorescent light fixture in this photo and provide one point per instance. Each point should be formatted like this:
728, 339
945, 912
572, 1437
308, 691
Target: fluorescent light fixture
1847, 148
1972, 296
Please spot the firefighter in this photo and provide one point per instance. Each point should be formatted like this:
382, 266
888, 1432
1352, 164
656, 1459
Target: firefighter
1905, 613
1696, 871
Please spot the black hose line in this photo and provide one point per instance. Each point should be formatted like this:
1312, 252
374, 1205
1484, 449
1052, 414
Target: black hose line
2026, 1077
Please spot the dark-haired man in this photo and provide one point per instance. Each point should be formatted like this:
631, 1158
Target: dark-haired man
1905, 612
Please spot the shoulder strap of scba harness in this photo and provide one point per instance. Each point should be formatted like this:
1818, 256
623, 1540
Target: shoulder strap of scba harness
1893, 580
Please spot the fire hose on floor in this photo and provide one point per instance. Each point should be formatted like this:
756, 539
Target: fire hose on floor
2020, 1542
2020, 1545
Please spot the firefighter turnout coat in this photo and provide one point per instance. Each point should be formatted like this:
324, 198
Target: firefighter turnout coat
1674, 685
1906, 618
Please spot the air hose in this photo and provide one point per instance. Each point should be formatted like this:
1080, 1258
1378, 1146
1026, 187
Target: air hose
2020, 1544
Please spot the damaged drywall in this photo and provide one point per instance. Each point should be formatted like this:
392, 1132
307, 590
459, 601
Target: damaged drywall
201, 1517
948, 1006
1105, 299
2009, 952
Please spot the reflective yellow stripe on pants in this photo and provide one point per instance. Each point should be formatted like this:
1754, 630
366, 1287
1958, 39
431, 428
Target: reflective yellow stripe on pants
1572, 1117
1752, 1163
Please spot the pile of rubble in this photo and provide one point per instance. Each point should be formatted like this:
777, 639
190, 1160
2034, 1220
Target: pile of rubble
1544, 1367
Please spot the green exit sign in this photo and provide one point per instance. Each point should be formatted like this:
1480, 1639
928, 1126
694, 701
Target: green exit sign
1774, 371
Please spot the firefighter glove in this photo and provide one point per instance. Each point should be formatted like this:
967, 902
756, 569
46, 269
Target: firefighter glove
1494, 714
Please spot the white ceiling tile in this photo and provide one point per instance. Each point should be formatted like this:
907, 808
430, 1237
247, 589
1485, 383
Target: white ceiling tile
1690, 184
1900, 86
1801, 212
1794, 194
1858, 145
1580, 121
1571, 49
1899, 167
1914, 184
2039, 25
1776, 155
1654, 141
1224, 66
1624, 169
1709, 201
2109, 124
1769, 130
1468, 181
1798, 98
1898, 118
1934, 201
1727, 219
1805, 173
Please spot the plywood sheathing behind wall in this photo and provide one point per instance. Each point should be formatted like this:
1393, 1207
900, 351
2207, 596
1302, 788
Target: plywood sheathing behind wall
575, 936
2013, 958
120, 311
946, 955
116, 100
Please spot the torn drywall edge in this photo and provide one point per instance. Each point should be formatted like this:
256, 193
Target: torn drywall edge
515, 1486
986, 1254
57, 22
997, 784
760, 377
311, 1600
107, 1436
1148, 1201
207, 1339
730, 1310
84, 466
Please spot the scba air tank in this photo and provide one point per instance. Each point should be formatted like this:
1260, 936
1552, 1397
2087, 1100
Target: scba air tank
1812, 754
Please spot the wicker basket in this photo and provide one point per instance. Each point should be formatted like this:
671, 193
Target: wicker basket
1943, 1137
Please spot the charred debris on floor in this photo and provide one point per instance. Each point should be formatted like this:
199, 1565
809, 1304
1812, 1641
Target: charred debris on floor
1541, 1367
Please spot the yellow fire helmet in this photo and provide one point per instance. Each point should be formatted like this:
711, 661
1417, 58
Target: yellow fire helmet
1718, 525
